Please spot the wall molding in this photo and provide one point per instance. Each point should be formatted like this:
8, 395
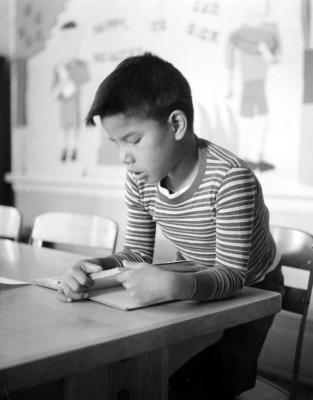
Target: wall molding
287, 195
281, 194
111, 179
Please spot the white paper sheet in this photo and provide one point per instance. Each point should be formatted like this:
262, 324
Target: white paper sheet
12, 282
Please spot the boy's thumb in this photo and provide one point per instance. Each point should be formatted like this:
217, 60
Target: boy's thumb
91, 268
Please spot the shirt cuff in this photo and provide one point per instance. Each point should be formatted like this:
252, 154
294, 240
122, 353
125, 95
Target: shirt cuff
205, 286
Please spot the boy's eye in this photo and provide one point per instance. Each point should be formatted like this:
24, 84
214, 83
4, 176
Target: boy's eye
134, 141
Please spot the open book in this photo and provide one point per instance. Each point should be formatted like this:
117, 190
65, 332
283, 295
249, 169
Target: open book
107, 290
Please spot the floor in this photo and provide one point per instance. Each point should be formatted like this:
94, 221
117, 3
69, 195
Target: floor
264, 392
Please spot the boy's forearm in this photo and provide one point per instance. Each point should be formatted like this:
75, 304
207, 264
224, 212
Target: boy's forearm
217, 283
185, 286
201, 286
192, 286
182, 286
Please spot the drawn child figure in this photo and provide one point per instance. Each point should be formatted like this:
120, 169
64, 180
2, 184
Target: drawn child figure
208, 203
69, 76
258, 44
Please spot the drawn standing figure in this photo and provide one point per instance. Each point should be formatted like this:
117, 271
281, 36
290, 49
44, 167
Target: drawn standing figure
257, 45
69, 76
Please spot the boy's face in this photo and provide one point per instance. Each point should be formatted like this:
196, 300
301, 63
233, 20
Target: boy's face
147, 148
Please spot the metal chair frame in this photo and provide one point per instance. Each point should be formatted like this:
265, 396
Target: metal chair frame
296, 247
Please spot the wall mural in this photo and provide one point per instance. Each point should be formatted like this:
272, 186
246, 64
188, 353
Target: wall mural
33, 22
258, 43
69, 75
251, 82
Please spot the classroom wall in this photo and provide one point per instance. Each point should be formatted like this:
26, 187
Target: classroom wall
4, 27
205, 39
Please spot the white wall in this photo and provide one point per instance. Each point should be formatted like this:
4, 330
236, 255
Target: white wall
181, 32
4, 27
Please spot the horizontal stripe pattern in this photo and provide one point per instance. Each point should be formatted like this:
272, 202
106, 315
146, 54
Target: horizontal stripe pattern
221, 223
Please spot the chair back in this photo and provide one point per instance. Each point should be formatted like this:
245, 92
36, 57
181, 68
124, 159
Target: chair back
10, 222
81, 230
296, 247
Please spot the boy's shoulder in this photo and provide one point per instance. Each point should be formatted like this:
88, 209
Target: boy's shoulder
218, 156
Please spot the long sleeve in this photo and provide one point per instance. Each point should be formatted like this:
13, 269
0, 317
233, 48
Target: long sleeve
235, 207
140, 231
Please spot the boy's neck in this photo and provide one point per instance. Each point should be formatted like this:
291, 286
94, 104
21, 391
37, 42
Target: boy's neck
187, 168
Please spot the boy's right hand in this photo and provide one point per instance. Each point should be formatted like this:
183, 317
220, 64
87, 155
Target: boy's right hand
76, 281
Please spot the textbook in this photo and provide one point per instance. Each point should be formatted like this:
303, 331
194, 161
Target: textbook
108, 291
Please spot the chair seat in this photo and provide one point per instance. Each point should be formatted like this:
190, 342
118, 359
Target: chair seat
264, 390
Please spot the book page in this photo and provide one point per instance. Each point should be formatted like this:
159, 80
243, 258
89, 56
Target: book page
119, 298
108, 291
7, 282
103, 279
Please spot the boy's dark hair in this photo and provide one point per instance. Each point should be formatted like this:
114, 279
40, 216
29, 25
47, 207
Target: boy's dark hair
143, 86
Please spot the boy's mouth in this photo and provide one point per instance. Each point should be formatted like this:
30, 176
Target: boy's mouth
137, 174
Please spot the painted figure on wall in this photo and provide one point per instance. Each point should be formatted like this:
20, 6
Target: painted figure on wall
34, 20
256, 45
70, 74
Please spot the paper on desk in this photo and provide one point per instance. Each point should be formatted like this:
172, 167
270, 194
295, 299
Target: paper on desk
11, 282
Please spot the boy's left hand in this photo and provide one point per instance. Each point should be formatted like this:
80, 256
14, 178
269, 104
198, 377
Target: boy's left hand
146, 283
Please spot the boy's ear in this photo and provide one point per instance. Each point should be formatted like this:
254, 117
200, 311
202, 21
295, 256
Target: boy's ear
178, 123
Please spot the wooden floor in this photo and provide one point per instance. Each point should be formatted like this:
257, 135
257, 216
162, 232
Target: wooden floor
304, 393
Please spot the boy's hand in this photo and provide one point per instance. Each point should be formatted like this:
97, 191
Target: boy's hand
76, 281
148, 284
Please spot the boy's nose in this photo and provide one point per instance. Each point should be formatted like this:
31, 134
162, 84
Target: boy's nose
126, 157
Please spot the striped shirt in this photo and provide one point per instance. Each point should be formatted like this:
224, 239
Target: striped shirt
220, 222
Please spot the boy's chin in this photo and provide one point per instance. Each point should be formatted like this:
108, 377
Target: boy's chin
151, 179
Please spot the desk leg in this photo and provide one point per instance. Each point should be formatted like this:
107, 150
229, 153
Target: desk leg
141, 377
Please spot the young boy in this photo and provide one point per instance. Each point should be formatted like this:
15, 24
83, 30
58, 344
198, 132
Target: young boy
207, 202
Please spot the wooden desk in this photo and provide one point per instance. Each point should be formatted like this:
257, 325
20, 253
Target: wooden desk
88, 350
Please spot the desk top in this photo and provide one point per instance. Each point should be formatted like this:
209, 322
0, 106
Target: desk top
56, 339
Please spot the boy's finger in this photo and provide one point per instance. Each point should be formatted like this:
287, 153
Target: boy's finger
61, 294
122, 277
73, 284
66, 294
90, 268
81, 277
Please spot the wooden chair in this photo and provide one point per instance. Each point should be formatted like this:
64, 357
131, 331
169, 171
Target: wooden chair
10, 222
80, 233
297, 252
